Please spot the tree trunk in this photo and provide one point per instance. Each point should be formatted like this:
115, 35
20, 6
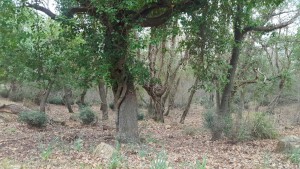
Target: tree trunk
102, 93
67, 98
126, 107
125, 100
274, 102
81, 103
187, 108
226, 95
45, 97
172, 97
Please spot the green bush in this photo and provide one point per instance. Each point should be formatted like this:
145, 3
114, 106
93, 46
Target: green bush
87, 116
16, 96
140, 116
56, 100
262, 127
33, 118
294, 156
253, 126
4, 93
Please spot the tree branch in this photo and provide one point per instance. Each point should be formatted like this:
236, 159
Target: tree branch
271, 27
42, 9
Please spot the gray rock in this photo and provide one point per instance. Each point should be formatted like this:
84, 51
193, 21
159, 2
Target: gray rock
104, 150
288, 143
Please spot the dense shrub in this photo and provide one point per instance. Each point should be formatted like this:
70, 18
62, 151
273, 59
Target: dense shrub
263, 127
140, 116
33, 118
16, 96
87, 116
56, 100
4, 93
253, 126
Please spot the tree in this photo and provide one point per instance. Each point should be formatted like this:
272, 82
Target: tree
243, 22
118, 20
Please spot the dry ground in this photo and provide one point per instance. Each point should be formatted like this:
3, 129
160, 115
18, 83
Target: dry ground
71, 146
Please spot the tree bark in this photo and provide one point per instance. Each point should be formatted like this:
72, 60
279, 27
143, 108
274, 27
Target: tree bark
45, 97
81, 103
125, 99
226, 94
67, 98
102, 93
172, 97
188, 106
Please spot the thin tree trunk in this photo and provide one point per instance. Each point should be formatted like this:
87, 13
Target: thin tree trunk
188, 106
67, 98
172, 97
81, 103
45, 97
102, 93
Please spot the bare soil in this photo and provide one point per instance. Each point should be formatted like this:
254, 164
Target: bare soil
71, 145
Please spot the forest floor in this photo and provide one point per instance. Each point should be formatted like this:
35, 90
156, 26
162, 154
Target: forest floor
71, 145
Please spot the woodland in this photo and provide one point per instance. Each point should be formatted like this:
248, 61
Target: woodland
154, 84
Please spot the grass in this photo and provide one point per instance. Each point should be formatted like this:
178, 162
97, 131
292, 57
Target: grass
160, 162
294, 156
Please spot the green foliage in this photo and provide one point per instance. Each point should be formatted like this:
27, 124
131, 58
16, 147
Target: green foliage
201, 165
78, 144
160, 162
294, 156
34, 118
115, 161
56, 100
4, 93
263, 127
46, 153
140, 116
87, 116
16, 96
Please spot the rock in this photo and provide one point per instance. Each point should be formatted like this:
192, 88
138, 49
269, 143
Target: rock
104, 150
167, 126
288, 143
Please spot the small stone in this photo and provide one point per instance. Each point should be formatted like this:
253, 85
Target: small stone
167, 126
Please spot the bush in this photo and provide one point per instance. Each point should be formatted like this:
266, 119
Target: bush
254, 126
4, 93
16, 96
262, 127
33, 118
87, 116
294, 156
140, 116
56, 100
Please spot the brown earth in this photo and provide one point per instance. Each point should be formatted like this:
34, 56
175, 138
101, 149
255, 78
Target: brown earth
71, 145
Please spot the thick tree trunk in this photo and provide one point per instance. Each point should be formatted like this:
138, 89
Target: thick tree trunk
102, 93
45, 97
125, 100
67, 99
156, 92
188, 106
226, 95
